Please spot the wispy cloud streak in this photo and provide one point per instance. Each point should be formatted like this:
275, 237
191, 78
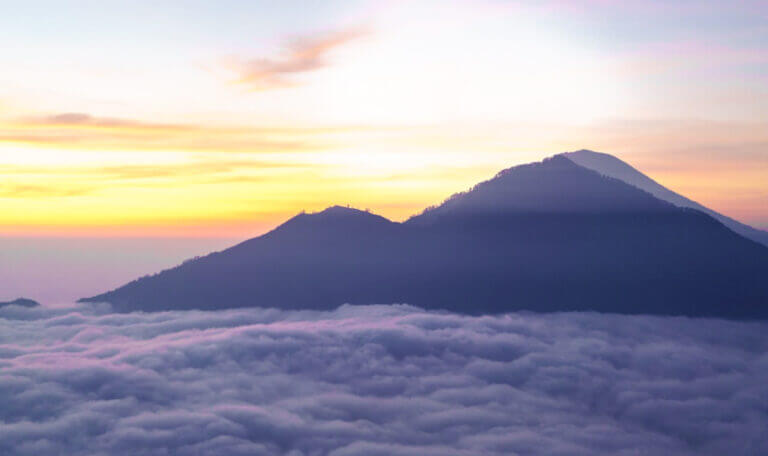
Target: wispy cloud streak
301, 55
82, 130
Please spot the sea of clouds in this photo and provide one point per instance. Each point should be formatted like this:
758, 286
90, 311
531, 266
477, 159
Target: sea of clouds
378, 380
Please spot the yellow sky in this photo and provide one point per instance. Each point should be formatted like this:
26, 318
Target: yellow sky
226, 131
189, 181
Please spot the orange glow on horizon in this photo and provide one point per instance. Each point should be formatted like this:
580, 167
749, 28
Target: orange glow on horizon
395, 172
391, 106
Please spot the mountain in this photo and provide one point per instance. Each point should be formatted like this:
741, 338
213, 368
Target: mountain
555, 186
547, 236
611, 166
21, 302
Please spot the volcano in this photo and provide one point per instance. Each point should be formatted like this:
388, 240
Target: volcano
569, 233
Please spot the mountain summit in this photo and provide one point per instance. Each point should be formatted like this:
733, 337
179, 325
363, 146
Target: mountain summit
608, 165
547, 236
556, 185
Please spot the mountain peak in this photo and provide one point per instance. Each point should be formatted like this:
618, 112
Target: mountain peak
332, 218
553, 163
21, 302
341, 213
583, 152
554, 185
611, 166
337, 210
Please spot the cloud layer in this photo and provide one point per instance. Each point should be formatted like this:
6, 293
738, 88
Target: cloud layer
82, 130
389, 380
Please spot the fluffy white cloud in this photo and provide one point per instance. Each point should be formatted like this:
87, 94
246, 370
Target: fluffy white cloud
388, 380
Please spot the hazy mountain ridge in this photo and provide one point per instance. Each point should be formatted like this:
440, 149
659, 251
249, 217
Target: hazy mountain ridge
547, 236
21, 302
518, 189
611, 166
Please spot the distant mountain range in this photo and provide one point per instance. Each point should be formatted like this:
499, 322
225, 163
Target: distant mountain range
21, 302
577, 231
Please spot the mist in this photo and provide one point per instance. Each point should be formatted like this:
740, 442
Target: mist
60, 270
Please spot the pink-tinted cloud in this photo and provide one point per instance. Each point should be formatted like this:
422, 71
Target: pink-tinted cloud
301, 55
82, 119
82, 130
12, 190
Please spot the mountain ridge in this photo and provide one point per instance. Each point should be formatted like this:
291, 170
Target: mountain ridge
515, 189
546, 236
612, 166
20, 302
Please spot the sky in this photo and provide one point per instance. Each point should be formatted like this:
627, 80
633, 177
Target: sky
201, 119
136, 134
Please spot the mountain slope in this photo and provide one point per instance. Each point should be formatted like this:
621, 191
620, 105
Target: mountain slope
308, 261
611, 166
555, 185
549, 236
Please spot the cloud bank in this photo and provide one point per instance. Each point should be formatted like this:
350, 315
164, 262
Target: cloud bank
379, 380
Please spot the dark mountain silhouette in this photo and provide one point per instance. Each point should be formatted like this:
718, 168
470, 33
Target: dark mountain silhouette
548, 236
555, 186
22, 302
611, 166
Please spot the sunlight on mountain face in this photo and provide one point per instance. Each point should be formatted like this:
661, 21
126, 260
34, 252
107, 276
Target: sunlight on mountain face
378, 380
